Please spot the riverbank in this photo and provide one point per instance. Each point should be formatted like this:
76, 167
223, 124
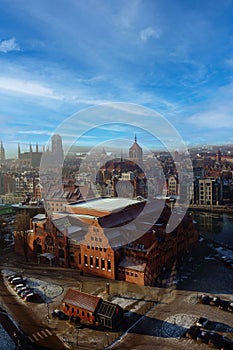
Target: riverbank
211, 208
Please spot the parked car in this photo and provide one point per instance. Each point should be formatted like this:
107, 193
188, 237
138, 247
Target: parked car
215, 340
202, 322
192, 332
17, 280
230, 307
23, 289
226, 343
32, 297
59, 314
19, 286
14, 275
203, 337
215, 301
205, 299
23, 293
224, 304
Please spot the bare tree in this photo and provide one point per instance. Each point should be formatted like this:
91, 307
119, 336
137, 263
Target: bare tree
22, 225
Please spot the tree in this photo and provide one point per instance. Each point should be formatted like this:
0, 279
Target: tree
22, 225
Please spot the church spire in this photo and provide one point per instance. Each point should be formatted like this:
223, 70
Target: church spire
135, 138
19, 151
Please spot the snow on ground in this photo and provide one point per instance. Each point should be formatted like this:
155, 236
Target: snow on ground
175, 326
5, 340
48, 291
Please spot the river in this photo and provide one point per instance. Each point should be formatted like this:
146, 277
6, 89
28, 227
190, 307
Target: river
216, 226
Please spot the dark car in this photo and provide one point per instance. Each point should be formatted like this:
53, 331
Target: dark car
18, 280
215, 301
25, 292
203, 337
192, 332
230, 307
226, 344
32, 297
19, 286
202, 322
224, 305
205, 299
59, 314
14, 275
215, 340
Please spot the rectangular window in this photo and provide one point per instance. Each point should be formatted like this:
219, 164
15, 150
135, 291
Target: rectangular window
83, 314
102, 264
97, 262
91, 261
109, 265
85, 260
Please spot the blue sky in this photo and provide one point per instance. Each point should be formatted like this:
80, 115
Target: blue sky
60, 57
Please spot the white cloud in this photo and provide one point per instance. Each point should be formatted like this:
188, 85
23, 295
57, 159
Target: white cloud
150, 32
28, 88
9, 45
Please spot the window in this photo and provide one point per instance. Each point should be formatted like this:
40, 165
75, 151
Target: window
109, 265
83, 313
131, 273
136, 275
91, 261
72, 310
79, 258
97, 262
85, 260
72, 257
102, 264
77, 311
88, 315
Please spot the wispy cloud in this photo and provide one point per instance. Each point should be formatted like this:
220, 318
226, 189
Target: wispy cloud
150, 32
9, 45
28, 87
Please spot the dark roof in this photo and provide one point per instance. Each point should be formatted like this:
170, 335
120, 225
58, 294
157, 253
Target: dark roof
107, 309
82, 300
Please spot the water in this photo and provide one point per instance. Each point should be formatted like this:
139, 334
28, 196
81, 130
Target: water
5, 340
216, 226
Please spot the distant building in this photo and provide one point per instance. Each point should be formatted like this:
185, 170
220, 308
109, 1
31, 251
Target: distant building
136, 153
2, 154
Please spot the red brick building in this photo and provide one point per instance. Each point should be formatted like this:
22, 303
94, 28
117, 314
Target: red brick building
82, 305
115, 238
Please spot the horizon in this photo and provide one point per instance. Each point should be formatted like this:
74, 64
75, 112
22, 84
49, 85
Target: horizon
59, 61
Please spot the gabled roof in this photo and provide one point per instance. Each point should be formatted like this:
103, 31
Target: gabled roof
82, 300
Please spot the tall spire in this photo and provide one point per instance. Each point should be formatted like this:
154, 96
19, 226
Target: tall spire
18, 150
30, 148
135, 138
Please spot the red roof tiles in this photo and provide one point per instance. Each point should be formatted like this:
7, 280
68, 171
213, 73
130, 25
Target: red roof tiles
81, 300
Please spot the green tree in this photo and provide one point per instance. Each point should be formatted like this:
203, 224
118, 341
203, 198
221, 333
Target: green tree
22, 225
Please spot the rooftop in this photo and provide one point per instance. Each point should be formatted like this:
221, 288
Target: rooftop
82, 300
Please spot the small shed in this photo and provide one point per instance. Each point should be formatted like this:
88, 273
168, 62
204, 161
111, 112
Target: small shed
80, 304
109, 314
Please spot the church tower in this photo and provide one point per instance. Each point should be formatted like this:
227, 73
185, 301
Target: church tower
2, 153
135, 152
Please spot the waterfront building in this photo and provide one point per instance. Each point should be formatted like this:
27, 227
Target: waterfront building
96, 237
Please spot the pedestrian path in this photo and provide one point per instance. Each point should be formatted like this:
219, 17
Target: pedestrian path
44, 333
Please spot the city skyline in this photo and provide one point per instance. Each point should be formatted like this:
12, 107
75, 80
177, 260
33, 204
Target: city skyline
173, 57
